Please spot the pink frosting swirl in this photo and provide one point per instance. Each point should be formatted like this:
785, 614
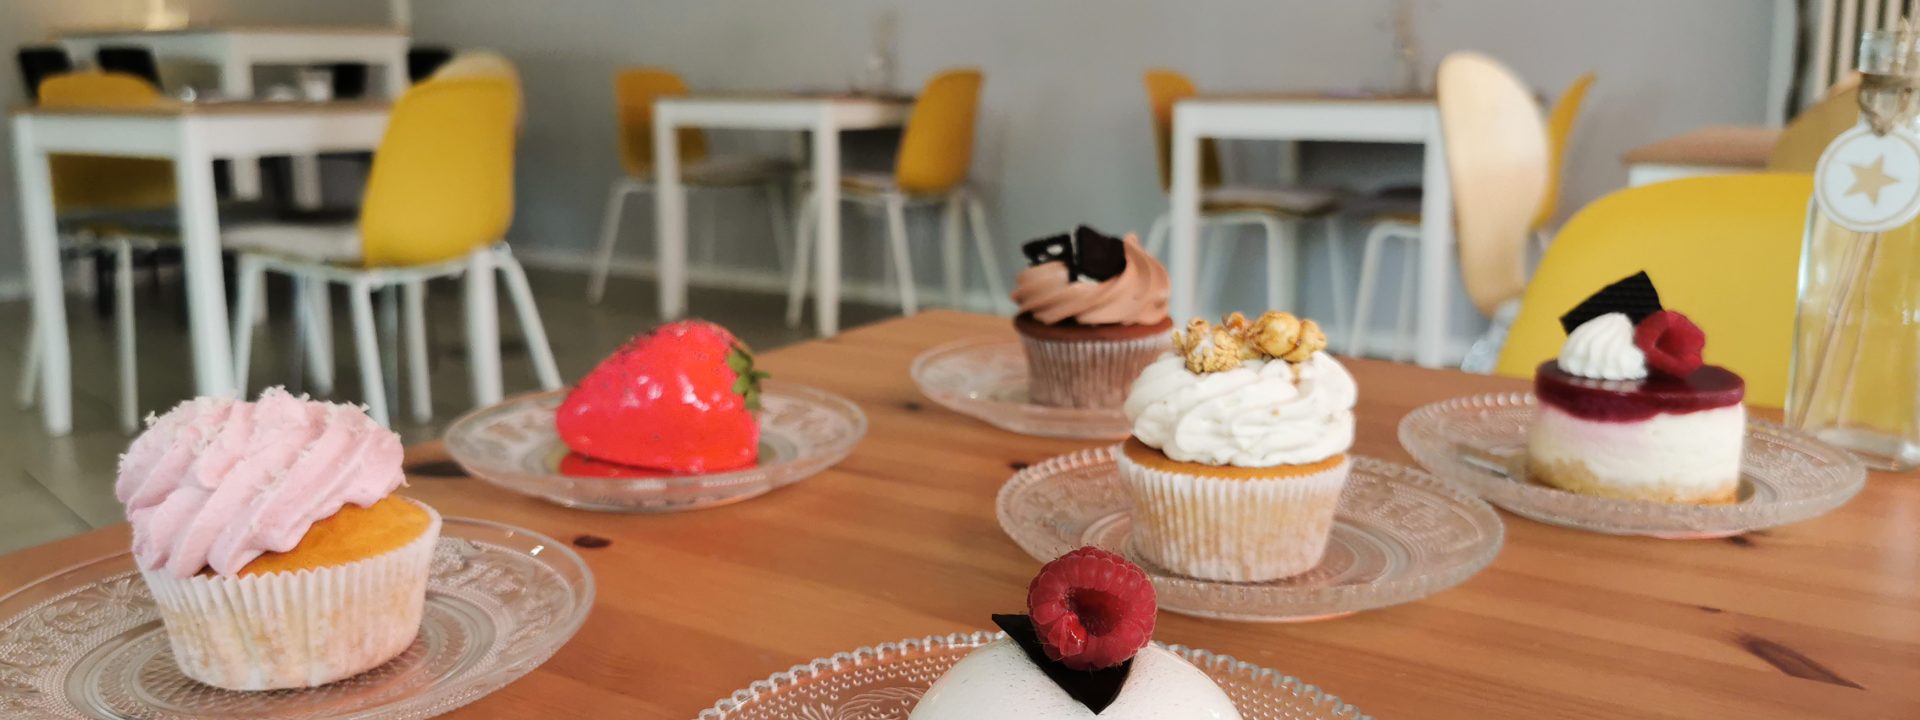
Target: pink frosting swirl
1137, 296
216, 482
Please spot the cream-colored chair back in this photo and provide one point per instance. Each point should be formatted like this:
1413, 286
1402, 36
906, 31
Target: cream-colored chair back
1807, 137
1496, 145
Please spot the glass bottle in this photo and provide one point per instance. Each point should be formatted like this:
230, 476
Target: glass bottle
1855, 378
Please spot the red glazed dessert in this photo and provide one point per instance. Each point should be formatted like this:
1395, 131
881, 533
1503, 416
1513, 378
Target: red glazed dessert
680, 399
1630, 411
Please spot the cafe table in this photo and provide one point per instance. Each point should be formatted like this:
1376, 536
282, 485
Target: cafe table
1818, 619
191, 135
824, 115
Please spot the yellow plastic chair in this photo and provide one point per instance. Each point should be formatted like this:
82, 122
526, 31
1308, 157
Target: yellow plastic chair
437, 204
1804, 139
92, 195
935, 155
1560, 122
1223, 207
1724, 250
1498, 166
634, 92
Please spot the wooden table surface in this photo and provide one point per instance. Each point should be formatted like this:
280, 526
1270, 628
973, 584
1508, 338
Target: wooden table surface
1715, 146
1815, 620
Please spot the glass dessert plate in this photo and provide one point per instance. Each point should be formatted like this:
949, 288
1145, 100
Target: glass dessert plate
86, 642
886, 681
986, 377
1399, 535
1481, 442
514, 445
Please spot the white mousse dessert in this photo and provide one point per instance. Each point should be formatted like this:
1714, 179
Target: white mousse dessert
999, 682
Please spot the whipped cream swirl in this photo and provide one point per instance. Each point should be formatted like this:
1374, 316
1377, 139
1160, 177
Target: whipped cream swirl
216, 482
1256, 415
1603, 349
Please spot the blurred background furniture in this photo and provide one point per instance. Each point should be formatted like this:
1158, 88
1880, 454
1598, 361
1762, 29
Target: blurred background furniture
1723, 249
635, 90
438, 204
37, 63
930, 168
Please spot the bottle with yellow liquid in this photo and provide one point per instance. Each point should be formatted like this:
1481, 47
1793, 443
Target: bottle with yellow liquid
1855, 379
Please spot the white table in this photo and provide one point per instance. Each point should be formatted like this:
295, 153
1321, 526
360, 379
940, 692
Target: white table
824, 116
234, 52
1711, 150
1296, 117
191, 136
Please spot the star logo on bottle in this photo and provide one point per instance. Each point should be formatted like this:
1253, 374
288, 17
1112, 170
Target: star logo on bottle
1869, 183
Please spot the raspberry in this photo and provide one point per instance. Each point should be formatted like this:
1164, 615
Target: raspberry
1671, 342
1091, 608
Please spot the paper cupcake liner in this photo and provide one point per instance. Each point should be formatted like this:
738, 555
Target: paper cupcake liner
296, 629
1094, 373
1232, 530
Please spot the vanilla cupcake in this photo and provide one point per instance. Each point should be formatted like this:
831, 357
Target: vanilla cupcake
277, 555
1239, 449
1093, 312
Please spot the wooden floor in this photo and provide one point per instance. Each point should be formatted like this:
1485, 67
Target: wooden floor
54, 487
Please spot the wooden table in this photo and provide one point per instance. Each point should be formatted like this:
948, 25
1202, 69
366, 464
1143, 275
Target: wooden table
1819, 619
1712, 150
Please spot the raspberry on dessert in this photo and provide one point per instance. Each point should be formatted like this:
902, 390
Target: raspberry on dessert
1091, 608
1671, 342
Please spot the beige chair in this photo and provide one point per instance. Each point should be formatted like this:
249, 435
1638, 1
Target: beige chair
1804, 139
1497, 163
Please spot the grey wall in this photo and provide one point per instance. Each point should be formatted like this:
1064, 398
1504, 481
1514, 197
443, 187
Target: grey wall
1063, 132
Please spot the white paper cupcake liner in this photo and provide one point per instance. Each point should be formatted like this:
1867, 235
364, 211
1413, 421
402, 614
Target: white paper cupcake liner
1232, 530
296, 629
1094, 373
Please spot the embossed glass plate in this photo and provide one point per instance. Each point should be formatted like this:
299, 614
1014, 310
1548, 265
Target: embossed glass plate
885, 682
514, 445
986, 378
87, 643
1481, 442
1399, 535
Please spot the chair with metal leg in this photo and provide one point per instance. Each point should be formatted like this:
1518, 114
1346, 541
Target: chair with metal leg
1278, 212
930, 169
438, 201
1498, 165
634, 92
100, 202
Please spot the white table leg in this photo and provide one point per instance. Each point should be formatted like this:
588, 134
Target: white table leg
306, 181
1182, 260
826, 189
1436, 253
236, 83
395, 68
43, 270
483, 328
669, 215
200, 250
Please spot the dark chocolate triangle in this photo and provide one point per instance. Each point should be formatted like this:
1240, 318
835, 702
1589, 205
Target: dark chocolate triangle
1095, 689
1100, 256
1633, 295
1054, 248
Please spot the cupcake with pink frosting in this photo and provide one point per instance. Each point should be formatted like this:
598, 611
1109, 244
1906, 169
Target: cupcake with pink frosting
269, 533
1093, 313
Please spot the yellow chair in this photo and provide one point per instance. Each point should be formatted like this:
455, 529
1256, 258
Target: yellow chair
1223, 207
931, 166
1560, 123
1497, 166
92, 195
438, 203
1723, 249
1802, 142
634, 92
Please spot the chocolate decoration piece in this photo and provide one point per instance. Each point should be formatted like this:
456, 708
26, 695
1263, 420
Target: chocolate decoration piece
1100, 256
1096, 689
1633, 295
1054, 248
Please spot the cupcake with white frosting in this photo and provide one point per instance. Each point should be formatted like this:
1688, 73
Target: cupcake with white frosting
1239, 449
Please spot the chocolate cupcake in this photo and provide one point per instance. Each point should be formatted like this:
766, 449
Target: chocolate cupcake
1093, 313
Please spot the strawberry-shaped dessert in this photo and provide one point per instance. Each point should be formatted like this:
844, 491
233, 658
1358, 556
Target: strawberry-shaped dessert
679, 399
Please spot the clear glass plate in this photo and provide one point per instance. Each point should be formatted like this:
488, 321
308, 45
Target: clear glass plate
514, 445
986, 377
87, 643
1399, 535
886, 681
1786, 476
